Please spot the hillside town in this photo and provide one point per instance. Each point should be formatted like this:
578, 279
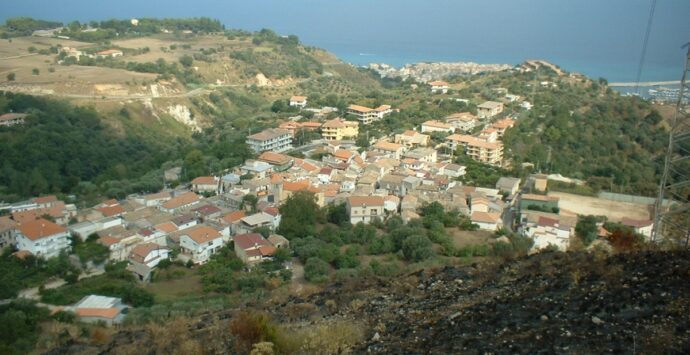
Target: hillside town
394, 175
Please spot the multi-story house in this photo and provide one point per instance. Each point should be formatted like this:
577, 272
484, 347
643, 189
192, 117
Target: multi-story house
463, 121
412, 139
298, 101
368, 115
365, 208
200, 242
339, 129
477, 149
43, 238
489, 109
437, 126
273, 139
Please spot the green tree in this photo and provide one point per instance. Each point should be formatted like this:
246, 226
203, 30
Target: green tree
11, 77
187, 61
316, 270
417, 248
299, 215
586, 229
35, 71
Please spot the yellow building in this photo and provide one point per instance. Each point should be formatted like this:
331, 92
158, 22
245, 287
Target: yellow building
338, 129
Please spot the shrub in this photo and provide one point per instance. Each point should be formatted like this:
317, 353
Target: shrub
316, 270
417, 248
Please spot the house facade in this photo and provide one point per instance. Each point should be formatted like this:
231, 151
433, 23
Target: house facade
298, 101
252, 248
436, 126
367, 115
272, 139
339, 129
200, 242
365, 208
489, 109
43, 238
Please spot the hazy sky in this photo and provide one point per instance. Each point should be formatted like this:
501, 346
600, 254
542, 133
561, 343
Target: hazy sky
594, 36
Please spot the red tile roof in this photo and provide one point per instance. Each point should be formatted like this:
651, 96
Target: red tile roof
40, 228
250, 240
202, 234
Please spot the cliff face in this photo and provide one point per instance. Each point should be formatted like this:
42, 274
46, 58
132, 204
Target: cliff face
548, 303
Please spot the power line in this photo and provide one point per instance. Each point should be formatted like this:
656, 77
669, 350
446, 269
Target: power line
644, 47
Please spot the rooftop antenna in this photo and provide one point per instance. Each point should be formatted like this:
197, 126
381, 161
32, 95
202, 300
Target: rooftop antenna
672, 206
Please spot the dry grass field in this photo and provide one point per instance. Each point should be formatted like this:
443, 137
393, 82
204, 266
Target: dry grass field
613, 210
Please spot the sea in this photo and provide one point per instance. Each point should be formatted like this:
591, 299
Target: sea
593, 37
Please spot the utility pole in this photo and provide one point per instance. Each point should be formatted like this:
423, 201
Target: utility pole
672, 207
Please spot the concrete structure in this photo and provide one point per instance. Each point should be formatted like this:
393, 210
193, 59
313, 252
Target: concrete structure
487, 221
8, 233
42, 238
412, 139
463, 121
298, 101
437, 126
200, 242
365, 208
508, 185
489, 109
549, 232
367, 115
339, 129
206, 184
252, 248
439, 86
391, 150
259, 169
273, 139
477, 149
109, 53
180, 202
94, 309
145, 257
428, 155
643, 227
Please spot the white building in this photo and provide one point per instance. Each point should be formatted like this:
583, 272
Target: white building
487, 221
368, 115
43, 238
200, 242
145, 257
439, 86
489, 109
549, 232
436, 126
11, 119
298, 101
365, 208
94, 309
273, 139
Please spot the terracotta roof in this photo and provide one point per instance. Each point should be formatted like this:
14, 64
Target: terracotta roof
109, 52
207, 210
298, 98
275, 158
108, 240
235, 216
312, 124
269, 133
40, 228
141, 251
250, 240
12, 116
272, 211
45, 199
205, 180
181, 200
108, 313
547, 222
486, 217
437, 124
296, 186
167, 227
111, 210
438, 83
387, 146
382, 108
474, 141
361, 109
202, 234
343, 154
339, 123
365, 200
462, 116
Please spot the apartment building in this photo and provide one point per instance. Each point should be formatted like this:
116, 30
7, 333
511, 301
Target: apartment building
364, 208
43, 238
367, 115
339, 129
477, 149
272, 139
